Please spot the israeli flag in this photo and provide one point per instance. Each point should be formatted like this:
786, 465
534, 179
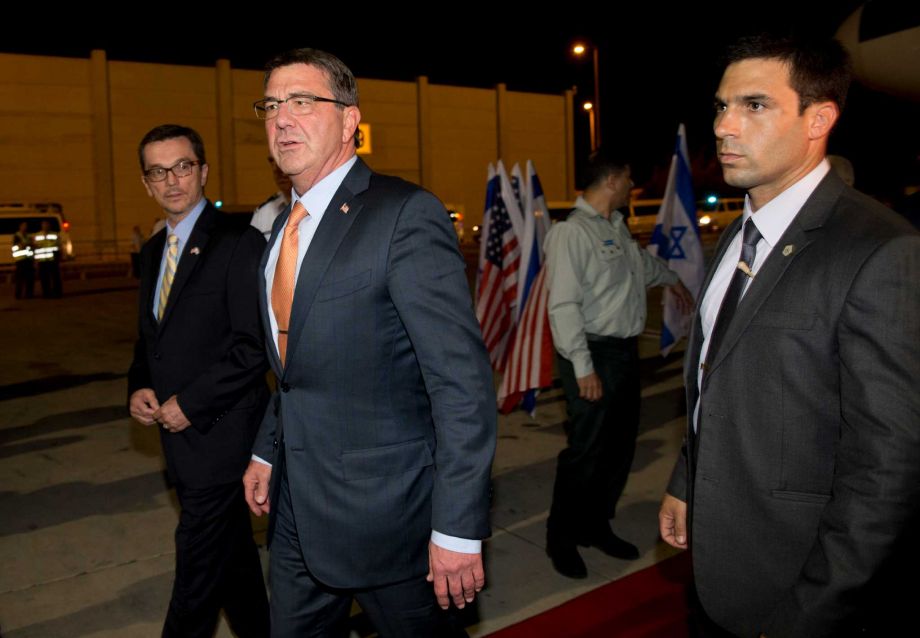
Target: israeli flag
677, 240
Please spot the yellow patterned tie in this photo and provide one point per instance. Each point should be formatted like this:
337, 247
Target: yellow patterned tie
172, 262
283, 282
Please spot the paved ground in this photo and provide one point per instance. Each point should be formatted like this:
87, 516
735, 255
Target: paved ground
86, 520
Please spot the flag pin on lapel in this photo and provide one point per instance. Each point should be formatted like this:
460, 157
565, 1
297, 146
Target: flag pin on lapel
788, 249
195, 250
344, 208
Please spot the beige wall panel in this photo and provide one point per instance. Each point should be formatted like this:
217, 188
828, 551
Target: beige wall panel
146, 95
47, 145
254, 183
464, 141
537, 133
391, 108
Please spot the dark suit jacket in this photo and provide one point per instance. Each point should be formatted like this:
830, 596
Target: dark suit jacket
386, 404
804, 480
208, 348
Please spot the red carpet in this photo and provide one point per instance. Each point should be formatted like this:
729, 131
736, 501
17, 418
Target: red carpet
651, 603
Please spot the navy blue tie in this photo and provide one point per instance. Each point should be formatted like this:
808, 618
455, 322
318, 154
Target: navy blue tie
735, 288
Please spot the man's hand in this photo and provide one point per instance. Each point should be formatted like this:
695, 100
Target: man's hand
589, 387
683, 296
455, 575
672, 521
255, 486
170, 415
143, 405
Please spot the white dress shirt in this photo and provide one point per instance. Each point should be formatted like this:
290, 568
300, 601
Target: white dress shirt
771, 220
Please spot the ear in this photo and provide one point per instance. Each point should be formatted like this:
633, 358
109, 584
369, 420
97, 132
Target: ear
823, 116
146, 186
351, 116
204, 175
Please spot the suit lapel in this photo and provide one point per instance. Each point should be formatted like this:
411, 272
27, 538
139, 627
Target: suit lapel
264, 308
337, 219
150, 275
800, 234
695, 342
191, 257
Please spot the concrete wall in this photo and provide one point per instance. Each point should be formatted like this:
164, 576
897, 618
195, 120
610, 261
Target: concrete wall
69, 130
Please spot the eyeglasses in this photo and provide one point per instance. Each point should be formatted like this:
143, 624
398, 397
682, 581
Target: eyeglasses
182, 169
300, 104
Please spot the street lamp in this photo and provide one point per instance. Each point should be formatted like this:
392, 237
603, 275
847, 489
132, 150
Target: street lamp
580, 49
587, 106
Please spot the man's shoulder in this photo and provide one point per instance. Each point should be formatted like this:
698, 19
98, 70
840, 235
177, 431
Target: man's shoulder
392, 185
859, 225
230, 229
576, 225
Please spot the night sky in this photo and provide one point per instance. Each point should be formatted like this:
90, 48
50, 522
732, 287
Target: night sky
659, 66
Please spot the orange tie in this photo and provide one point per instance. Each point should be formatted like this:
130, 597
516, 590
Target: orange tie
283, 283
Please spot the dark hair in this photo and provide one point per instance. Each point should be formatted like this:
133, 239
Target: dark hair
601, 164
819, 69
339, 77
168, 132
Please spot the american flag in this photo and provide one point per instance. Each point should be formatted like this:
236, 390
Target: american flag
496, 307
530, 360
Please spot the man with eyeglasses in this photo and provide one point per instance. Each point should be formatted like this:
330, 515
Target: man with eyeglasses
199, 374
382, 434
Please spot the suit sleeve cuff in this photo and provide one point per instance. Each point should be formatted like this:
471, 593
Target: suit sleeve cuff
454, 544
259, 459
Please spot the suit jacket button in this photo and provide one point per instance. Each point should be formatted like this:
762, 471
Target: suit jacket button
285, 387
275, 443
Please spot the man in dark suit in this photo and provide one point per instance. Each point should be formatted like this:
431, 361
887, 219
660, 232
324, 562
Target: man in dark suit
382, 434
198, 372
799, 485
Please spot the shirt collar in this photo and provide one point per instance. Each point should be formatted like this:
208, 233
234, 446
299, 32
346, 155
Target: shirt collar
582, 205
774, 217
183, 229
317, 198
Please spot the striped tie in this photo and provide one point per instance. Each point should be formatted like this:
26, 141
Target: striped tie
283, 282
172, 262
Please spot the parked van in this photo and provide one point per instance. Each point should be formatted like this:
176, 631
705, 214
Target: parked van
33, 214
713, 214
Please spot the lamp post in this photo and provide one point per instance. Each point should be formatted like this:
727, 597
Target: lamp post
592, 121
580, 49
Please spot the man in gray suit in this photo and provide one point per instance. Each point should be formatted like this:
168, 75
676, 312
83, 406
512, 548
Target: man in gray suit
382, 434
799, 485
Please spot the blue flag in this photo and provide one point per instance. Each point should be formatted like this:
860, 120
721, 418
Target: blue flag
677, 240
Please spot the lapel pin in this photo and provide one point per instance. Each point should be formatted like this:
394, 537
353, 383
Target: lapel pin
344, 208
788, 249
743, 267
195, 250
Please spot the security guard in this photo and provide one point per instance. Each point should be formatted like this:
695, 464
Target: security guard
24, 257
47, 249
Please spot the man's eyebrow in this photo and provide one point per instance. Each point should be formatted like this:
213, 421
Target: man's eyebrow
744, 99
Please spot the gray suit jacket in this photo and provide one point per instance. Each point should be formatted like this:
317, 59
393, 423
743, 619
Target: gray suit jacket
804, 479
385, 419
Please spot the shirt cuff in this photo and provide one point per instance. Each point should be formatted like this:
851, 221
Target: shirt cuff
582, 364
259, 459
454, 544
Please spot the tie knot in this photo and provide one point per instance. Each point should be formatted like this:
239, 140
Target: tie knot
172, 239
751, 234
298, 212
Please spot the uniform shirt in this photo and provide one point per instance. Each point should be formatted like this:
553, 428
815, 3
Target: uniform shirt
597, 275
264, 216
771, 220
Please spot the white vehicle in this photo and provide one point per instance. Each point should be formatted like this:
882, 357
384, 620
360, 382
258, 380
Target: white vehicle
33, 214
